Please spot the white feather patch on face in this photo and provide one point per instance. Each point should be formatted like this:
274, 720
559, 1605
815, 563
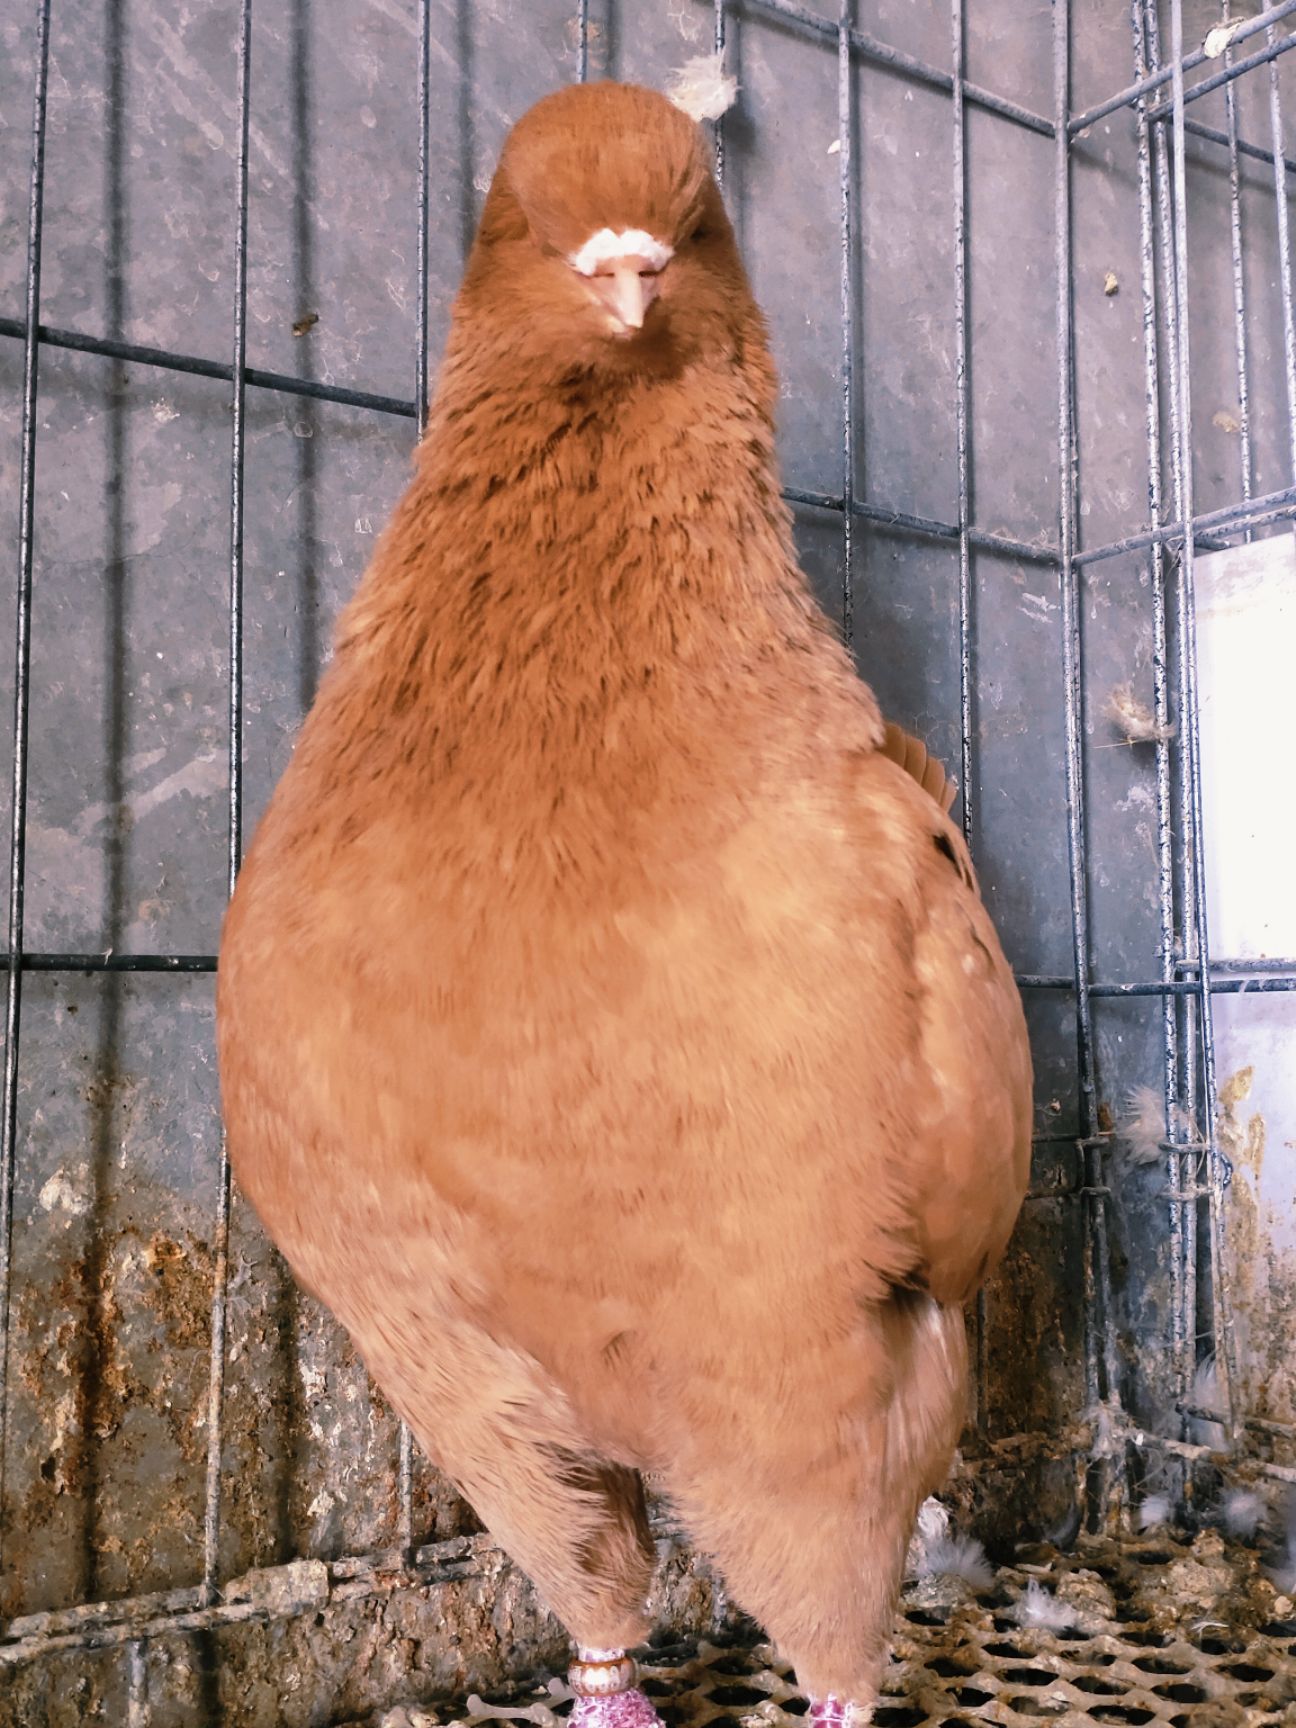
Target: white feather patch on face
607, 247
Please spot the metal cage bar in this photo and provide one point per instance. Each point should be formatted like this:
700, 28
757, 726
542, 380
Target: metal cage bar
1160, 76
1194, 838
220, 1293
1284, 250
1100, 1377
22, 697
1277, 46
845, 123
1239, 277
1181, 1332
963, 457
405, 1440
718, 33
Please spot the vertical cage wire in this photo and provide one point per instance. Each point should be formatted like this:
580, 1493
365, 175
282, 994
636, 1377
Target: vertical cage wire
405, 1440
1178, 889
981, 1321
718, 43
1194, 838
961, 392
1102, 1382
1239, 274
22, 704
221, 1231
1179, 1169
1284, 249
845, 117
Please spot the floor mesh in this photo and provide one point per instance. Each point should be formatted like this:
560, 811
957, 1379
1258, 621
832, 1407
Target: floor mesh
1167, 1631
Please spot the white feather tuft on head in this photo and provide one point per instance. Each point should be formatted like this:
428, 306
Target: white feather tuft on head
702, 87
606, 246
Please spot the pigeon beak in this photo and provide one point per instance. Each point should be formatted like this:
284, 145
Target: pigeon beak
627, 289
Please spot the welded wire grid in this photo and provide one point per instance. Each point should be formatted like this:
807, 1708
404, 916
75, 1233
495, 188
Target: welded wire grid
1188, 975
1120, 1656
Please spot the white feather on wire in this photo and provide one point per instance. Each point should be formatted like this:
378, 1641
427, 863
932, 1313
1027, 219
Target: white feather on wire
1206, 1395
1142, 1131
702, 87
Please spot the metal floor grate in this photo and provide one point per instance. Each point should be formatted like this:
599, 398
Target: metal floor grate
1167, 1631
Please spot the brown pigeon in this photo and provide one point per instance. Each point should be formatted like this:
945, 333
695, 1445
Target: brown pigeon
611, 1031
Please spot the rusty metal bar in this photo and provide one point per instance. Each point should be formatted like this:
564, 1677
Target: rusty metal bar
220, 1235
877, 53
1266, 56
1284, 257
845, 122
271, 1593
22, 699
1162, 76
1194, 838
1239, 275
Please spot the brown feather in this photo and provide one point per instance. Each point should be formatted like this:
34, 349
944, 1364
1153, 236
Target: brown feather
609, 1032
912, 755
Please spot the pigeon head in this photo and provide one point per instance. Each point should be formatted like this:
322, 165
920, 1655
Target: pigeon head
604, 240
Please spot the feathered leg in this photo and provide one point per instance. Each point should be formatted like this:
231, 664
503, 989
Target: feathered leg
575, 1522
809, 1510
579, 1529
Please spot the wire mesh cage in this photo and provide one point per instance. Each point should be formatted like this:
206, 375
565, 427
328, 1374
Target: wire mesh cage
1028, 276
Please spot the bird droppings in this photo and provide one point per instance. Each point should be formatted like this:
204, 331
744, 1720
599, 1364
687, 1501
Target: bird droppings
305, 324
1096, 1641
1134, 720
1111, 284
282, 1589
64, 1194
542, 1712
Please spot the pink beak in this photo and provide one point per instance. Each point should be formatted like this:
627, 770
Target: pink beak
627, 288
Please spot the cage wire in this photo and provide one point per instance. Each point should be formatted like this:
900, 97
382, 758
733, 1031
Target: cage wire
1124, 1669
